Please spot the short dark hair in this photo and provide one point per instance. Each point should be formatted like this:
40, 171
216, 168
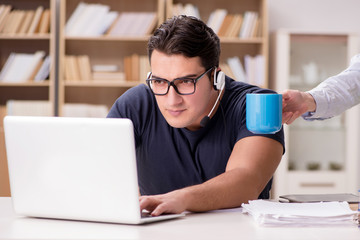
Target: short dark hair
188, 36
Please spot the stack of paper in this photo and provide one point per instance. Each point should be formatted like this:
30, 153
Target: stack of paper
301, 214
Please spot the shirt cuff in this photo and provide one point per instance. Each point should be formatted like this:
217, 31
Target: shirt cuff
321, 107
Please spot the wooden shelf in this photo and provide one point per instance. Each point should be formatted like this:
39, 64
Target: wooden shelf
25, 36
242, 41
44, 91
25, 84
103, 49
109, 38
103, 83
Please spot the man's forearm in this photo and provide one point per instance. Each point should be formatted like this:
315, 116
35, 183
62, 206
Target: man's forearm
227, 190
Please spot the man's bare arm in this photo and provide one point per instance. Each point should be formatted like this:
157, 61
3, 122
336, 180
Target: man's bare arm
250, 167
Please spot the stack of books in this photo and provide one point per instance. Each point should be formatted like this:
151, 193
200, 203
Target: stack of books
29, 108
133, 24
267, 213
185, 9
95, 19
107, 72
90, 19
34, 67
252, 71
24, 21
77, 68
84, 110
235, 25
136, 67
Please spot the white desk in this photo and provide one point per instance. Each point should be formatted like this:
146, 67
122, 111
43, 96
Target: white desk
224, 224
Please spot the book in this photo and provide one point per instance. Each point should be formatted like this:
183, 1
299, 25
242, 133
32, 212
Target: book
67, 69
235, 26
4, 15
249, 22
84, 110
29, 108
90, 19
36, 19
144, 67
227, 70
35, 70
133, 24
105, 68
225, 25
95, 20
84, 67
72, 72
44, 24
17, 21
151, 21
9, 22
34, 66
255, 69
107, 22
216, 18
74, 17
83, 21
108, 76
44, 70
135, 67
237, 68
7, 65
191, 10
27, 21
187, 9
24, 61
250, 68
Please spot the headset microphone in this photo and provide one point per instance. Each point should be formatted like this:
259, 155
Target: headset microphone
219, 84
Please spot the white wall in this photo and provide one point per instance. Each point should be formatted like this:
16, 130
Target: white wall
325, 15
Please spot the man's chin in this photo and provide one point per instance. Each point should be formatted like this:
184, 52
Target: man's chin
177, 124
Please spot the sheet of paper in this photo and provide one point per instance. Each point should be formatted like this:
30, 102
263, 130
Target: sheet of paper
321, 213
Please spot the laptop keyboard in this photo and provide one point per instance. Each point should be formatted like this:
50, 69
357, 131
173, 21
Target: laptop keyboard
146, 215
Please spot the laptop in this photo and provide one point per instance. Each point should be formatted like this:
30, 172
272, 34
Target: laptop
74, 168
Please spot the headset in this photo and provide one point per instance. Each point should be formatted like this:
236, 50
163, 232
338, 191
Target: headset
219, 84
219, 80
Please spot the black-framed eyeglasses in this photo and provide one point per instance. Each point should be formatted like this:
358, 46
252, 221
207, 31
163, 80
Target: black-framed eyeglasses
183, 86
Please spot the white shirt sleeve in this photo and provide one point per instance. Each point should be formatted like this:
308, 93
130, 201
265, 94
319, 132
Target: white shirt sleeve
337, 94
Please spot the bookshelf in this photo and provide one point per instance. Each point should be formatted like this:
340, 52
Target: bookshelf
12, 41
103, 49
321, 156
254, 45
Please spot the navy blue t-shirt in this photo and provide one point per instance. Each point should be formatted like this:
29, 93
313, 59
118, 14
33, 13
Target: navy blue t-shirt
172, 158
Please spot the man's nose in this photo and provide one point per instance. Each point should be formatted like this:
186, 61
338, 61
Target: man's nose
173, 97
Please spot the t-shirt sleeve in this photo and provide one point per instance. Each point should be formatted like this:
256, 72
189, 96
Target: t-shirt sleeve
136, 104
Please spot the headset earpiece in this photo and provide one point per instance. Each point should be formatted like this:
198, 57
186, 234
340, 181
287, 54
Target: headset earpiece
219, 79
219, 84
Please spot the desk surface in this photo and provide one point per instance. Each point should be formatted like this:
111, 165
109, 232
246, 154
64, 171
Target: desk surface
222, 224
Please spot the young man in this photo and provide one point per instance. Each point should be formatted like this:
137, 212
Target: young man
330, 98
193, 149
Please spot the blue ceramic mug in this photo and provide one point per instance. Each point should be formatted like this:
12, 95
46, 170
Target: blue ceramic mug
263, 112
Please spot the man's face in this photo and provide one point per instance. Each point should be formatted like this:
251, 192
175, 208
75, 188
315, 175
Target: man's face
183, 111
